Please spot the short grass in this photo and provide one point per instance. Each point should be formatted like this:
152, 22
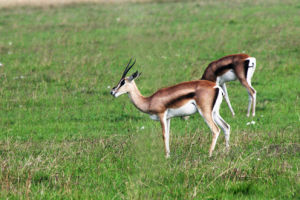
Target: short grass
64, 136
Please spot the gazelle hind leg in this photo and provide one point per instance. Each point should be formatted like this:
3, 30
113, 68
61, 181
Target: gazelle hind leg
226, 131
213, 127
219, 120
252, 94
249, 104
254, 103
252, 100
224, 126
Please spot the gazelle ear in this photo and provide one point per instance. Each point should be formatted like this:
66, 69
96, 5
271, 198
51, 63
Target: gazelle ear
134, 75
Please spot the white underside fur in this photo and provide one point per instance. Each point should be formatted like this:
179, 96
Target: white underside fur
187, 109
228, 76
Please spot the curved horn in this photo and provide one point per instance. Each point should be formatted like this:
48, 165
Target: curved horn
128, 67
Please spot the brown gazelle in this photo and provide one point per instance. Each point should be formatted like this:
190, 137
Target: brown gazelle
182, 99
230, 68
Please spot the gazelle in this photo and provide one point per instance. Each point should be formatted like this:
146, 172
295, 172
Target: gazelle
182, 99
230, 68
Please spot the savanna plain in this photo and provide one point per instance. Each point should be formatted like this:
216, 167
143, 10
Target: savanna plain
63, 136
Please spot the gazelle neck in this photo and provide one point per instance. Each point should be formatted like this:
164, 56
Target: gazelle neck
139, 101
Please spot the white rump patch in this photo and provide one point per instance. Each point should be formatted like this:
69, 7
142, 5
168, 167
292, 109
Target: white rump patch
251, 69
252, 61
222, 91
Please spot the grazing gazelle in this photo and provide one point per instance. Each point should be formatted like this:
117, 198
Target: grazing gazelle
230, 68
182, 99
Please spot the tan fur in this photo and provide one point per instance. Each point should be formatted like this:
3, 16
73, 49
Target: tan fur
203, 93
222, 65
235, 62
159, 101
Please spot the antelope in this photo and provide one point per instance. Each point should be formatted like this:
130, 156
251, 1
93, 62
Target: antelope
183, 99
230, 68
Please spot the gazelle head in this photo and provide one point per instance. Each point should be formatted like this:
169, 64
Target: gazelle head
125, 84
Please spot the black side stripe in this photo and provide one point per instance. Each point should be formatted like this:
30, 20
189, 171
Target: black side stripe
221, 69
215, 99
187, 96
246, 66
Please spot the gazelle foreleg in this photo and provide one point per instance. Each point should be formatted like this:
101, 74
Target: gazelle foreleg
165, 125
168, 125
223, 86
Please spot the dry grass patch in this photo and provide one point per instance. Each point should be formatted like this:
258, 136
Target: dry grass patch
42, 3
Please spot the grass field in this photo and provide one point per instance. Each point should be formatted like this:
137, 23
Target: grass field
64, 136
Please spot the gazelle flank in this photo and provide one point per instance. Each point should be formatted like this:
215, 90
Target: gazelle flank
183, 99
230, 68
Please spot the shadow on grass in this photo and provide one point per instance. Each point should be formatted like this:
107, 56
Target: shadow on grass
242, 189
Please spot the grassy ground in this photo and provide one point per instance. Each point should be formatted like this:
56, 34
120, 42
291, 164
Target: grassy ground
64, 136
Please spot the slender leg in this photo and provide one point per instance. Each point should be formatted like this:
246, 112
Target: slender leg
168, 125
213, 127
251, 71
254, 103
227, 98
165, 124
245, 79
249, 104
252, 97
219, 120
224, 126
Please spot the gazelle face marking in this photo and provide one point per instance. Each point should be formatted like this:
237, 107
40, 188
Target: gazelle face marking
120, 89
124, 84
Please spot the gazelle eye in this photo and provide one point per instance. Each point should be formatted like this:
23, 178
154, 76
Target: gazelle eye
122, 82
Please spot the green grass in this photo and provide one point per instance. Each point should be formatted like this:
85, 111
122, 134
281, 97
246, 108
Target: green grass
64, 136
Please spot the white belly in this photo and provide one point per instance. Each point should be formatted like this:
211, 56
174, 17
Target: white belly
154, 117
187, 109
228, 76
